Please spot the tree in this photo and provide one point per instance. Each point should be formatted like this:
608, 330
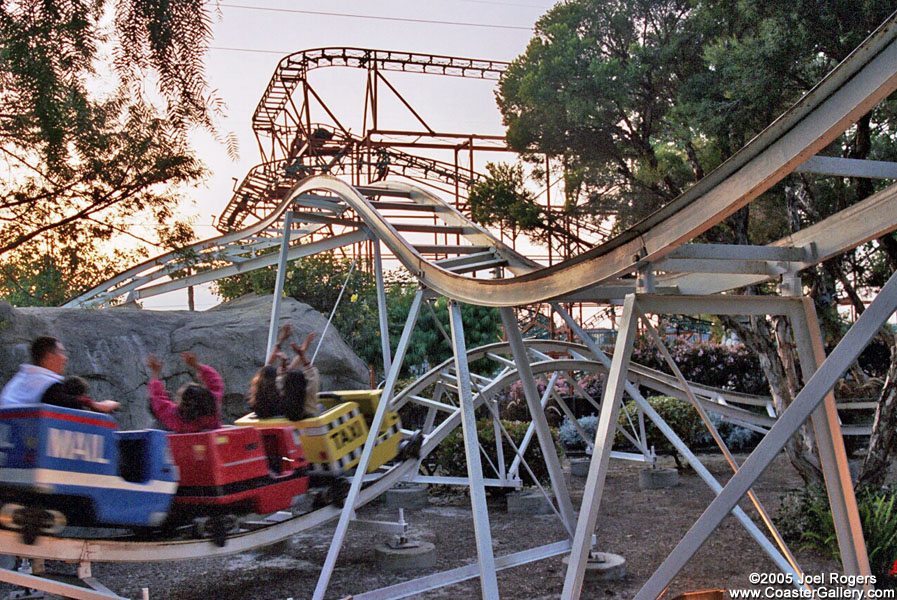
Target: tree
592, 90
640, 99
502, 199
81, 162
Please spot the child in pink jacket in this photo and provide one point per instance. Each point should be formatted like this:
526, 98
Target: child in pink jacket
196, 407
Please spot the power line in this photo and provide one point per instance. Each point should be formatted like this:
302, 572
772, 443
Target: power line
277, 52
506, 4
374, 17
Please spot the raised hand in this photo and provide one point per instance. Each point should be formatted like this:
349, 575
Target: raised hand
306, 343
106, 406
300, 350
154, 366
286, 330
189, 359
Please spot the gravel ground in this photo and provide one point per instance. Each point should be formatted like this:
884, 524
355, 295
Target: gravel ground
642, 526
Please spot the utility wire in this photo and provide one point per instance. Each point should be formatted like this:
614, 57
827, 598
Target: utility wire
506, 4
277, 52
374, 17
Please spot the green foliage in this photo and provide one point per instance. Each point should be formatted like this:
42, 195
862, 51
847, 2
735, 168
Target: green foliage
502, 199
637, 100
593, 89
806, 518
680, 416
429, 345
451, 458
57, 276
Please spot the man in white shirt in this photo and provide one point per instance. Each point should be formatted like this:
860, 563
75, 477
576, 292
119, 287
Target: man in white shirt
48, 360
41, 381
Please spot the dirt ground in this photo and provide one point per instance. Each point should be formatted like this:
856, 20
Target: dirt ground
642, 526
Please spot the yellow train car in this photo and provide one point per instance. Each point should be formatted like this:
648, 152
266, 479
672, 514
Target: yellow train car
333, 441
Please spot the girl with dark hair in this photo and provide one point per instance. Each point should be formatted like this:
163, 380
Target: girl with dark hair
196, 407
281, 389
264, 398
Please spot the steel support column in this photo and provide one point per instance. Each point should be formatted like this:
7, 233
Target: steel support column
279, 281
540, 423
604, 439
830, 441
481, 528
346, 515
381, 307
809, 398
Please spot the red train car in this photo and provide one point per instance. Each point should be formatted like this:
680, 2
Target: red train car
236, 471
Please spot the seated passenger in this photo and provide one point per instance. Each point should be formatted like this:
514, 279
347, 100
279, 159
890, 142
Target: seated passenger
289, 390
196, 407
42, 381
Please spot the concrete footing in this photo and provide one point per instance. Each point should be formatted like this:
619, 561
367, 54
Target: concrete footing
579, 467
603, 566
655, 479
528, 503
406, 496
421, 555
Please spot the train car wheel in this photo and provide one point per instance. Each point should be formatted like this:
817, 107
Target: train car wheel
338, 491
200, 527
411, 447
219, 527
30, 531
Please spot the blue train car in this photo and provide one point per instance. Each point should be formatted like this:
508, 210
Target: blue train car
60, 465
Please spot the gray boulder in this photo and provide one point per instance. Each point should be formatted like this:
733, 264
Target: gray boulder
107, 347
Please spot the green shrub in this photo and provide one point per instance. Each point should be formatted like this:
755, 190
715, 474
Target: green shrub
451, 460
806, 518
680, 416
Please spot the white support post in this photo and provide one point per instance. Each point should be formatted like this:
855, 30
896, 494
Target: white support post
829, 440
279, 282
430, 420
499, 444
604, 439
381, 306
481, 528
342, 526
647, 451
809, 398
543, 433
